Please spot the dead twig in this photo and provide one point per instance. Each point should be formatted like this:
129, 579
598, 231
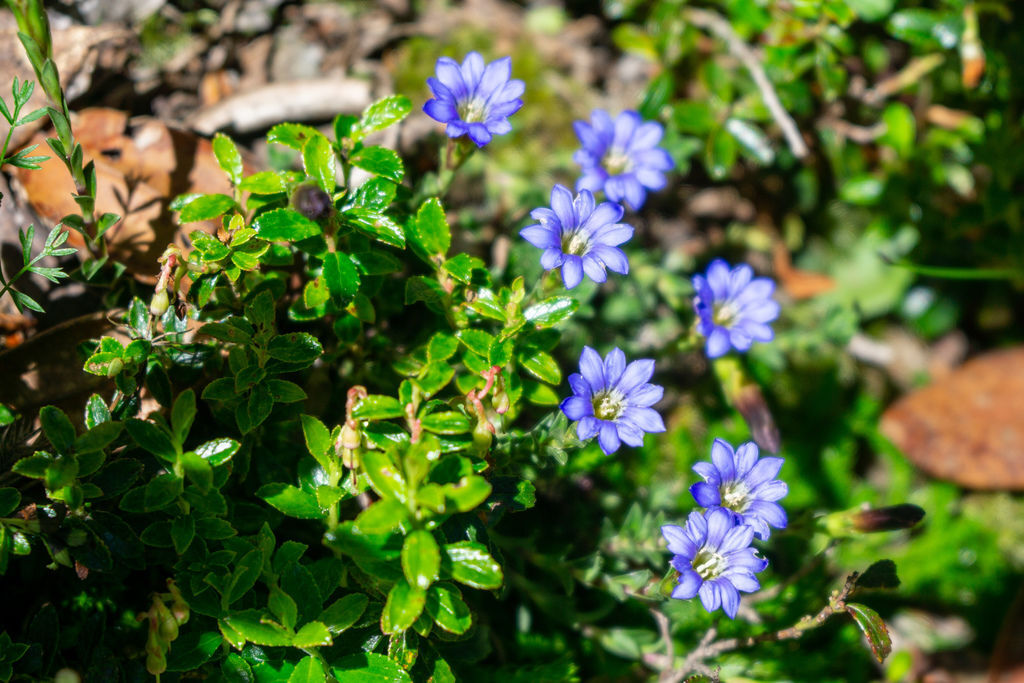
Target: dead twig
719, 26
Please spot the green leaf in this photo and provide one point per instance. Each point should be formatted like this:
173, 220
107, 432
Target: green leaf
247, 571
283, 391
58, 428
226, 332
183, 530
183, 413
284, 225
380, 161
291, 501
309, 670
297, 347
236, 670
193, 649
151, 438
264, 182
96, 412
318, 160
751, 139
34, 466
206, 207
442, 346
430, 231
377, 407
99, 437
862, 190
283, 607
218, 451
198, 471
250, 626
550, 312
542, 366
384, 476
477, 341
318, 441
427, 290
344, 612
313, 634
469, 563
381, 517
461, 267
446, 607
375, 193
292, 135
404, 605
421, 559
873, 627
449, 422
161, 491
9, 499
228, 157
341, 276
468, 493
375, 225
383, 113
369, 667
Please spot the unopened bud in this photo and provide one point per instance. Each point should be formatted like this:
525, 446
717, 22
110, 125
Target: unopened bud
482, 437
891, 518
159, 304
312, 202
156, 663
179, 608
350, 438
154, 643
166, 623
501, 402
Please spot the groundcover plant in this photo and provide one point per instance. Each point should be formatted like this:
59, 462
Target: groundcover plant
345, 429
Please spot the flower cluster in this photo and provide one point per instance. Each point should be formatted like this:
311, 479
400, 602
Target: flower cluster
712, 552
612, 400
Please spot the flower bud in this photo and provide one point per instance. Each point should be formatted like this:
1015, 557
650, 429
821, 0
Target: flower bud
891, 518
501, 402
154, 643
156, 663
159, 304
312, 202
350, 438
179, 608
482, 437
166, 623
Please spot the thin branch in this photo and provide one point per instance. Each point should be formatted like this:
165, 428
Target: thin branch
719, 26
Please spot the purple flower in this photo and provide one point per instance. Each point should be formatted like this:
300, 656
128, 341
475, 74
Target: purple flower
733, 307
579, 237
474, 99
714, 559
740, 482
612, 400
621, 157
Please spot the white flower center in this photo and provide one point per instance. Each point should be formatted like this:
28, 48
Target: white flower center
617, 161
575, 242
709, 564
608, 404
724, 314
473, 110
735, 496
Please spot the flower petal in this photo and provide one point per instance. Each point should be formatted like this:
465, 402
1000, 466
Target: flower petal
742, 579
613, 258
722, 457
730, 597
577, 407
473, 71
636, 373
705, 494
745, 458
646, 419
634, 192
646, 395
717, 343
594, 269
678, 542
720, 521
605, 214
709, 472
771, 513
771, 491
765, 470
587, 428
440, 110
494, 77
561, 204
552, 258
609, 438
709, 596
689, 583
630, 435
592, 369
580, 386
737, 538
718, 279
572, 271
450, 75
540, 237
479, 134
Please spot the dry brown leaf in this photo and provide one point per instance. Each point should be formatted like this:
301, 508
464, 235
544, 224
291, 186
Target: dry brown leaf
141, 165
799, 284
967, 427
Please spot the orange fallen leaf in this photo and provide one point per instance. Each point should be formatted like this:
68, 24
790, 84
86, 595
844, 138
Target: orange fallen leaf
966, 428
799, 284
141, 165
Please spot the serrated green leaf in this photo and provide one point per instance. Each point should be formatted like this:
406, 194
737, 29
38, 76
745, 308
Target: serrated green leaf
382, 517
291, 501
308, 670
344, 612
469, 563
448, 422
550, 312
542, 366
57, 428
297, 347
318, 160
228, 157
284, 225
375, 225
446, 607
206, 207
313, 634
873, 627
404, 605
341, 276
152, 438
380, 161
369, 667
377, 407
430, 231
383, 113
421, 559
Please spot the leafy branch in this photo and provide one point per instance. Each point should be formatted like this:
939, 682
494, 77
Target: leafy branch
52, 247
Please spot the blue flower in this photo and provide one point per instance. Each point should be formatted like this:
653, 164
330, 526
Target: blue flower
579, 237
714, 560
733, 307
621, 157
612, 400
474, 99
740, 482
